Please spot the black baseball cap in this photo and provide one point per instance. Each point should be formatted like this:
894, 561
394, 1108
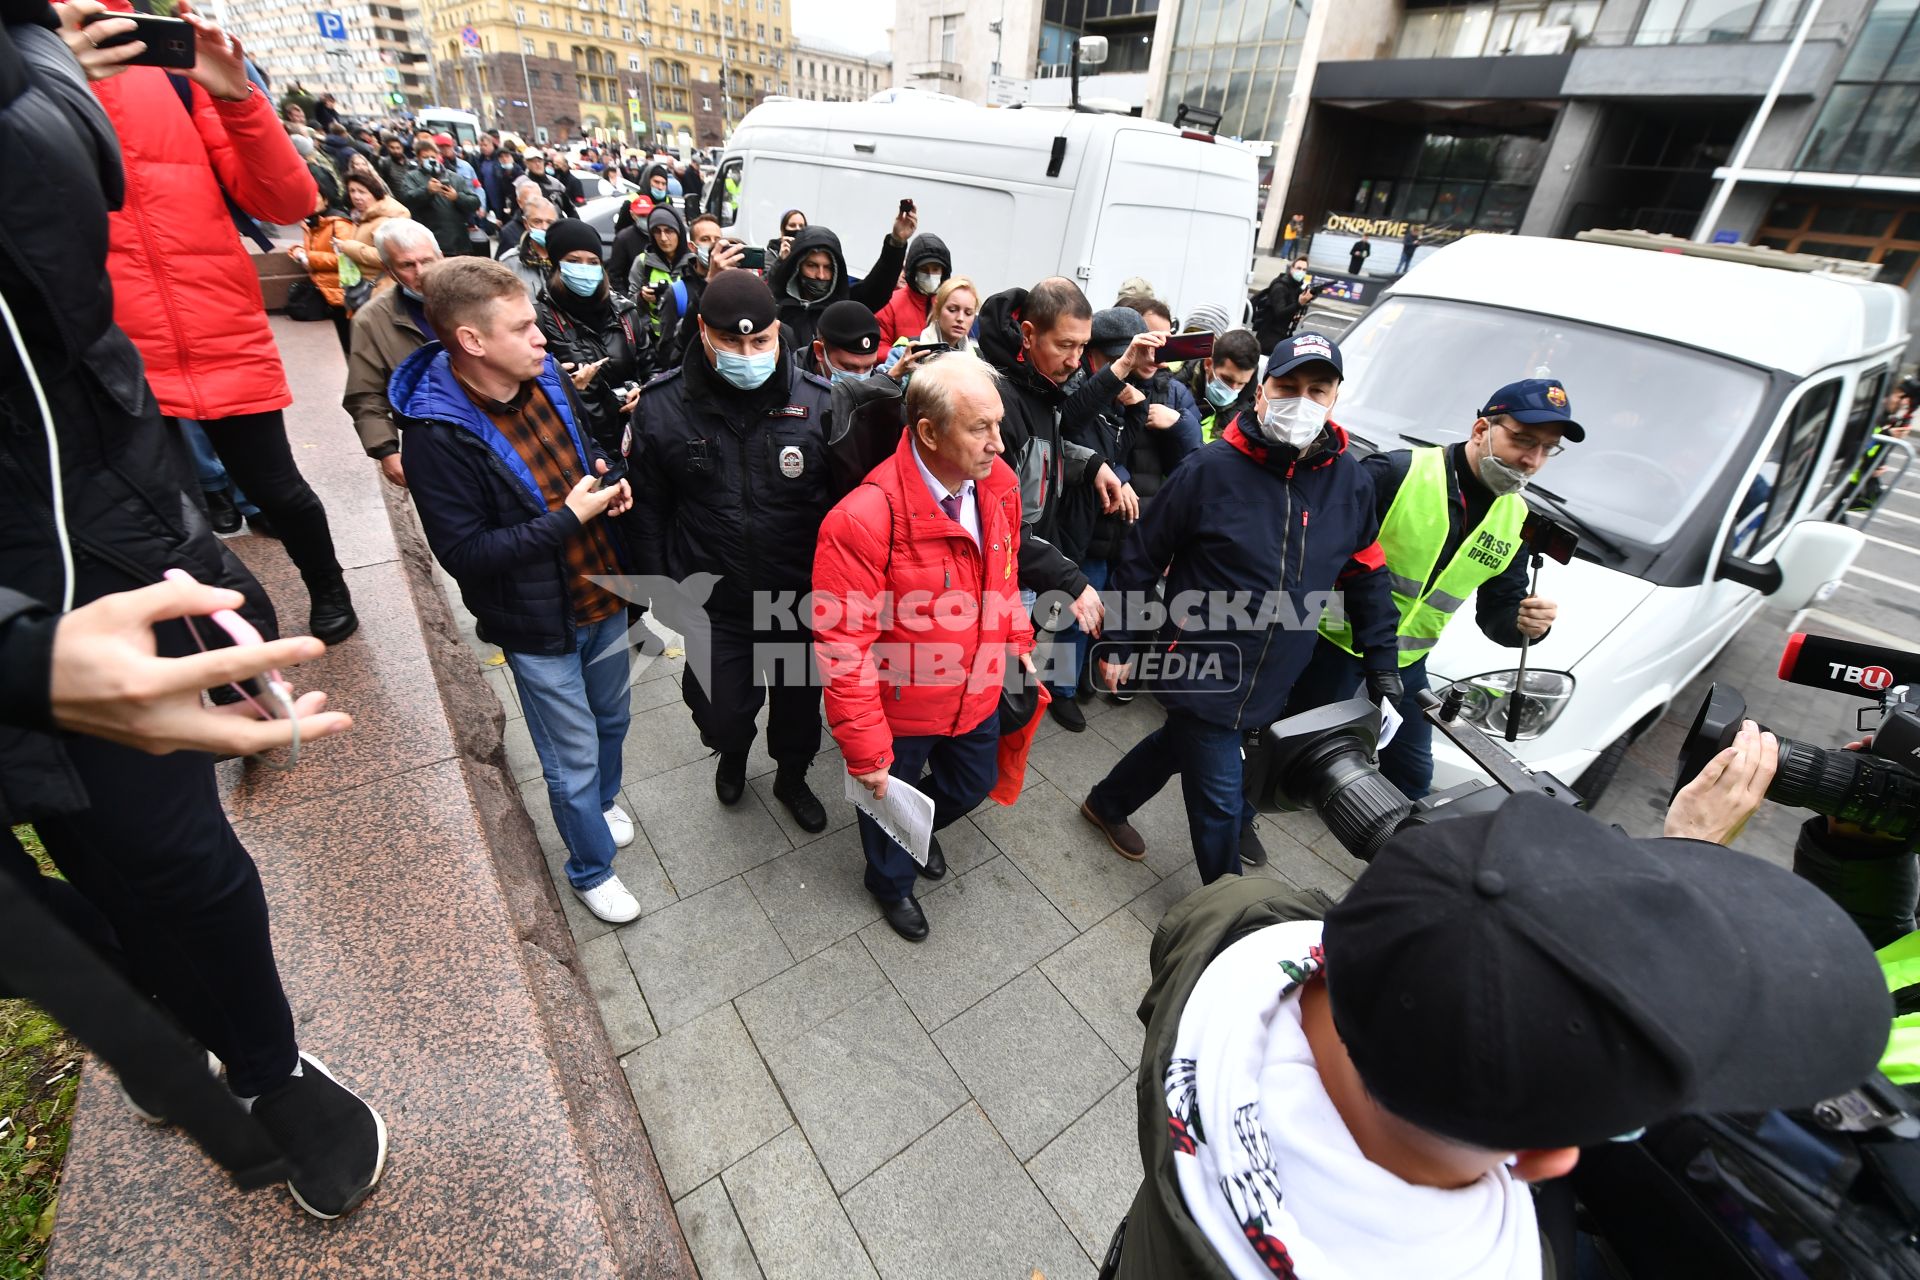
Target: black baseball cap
848, 326
1536, 402
1532, 978
737, 301
1305, 348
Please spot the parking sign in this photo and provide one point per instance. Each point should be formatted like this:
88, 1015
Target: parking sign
332, 25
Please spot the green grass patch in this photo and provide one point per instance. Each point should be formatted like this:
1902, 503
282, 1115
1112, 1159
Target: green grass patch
39, 1072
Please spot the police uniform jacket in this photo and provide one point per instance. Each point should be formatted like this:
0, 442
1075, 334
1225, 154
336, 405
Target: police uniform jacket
729, 482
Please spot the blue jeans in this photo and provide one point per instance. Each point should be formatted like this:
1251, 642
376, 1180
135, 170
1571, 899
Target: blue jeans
207, 467
577, 713
1067, 670
1334, 675
1207, 758
962, 770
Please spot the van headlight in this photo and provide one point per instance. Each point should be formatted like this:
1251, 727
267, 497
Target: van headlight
1490, 700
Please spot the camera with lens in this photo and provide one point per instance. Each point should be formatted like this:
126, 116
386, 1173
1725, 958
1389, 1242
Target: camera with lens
1327, 760
1876, 788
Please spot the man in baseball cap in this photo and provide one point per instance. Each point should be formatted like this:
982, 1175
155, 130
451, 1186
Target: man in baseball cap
731, 457
1450, 522
1368, 1096
846, 343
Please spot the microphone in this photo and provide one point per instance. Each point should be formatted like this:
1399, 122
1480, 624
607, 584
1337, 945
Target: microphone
1846, 666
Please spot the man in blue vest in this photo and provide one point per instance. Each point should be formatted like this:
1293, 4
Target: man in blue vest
1450, 521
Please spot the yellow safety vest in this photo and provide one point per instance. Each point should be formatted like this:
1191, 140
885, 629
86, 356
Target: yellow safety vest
1411, 536
1900, 962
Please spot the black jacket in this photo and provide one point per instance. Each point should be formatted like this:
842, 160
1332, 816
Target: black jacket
730, 482
629, 244
554, 190
618, 334
1245, 538
447, 219
798, 316
1277, 309
128, 516
484, 514
1047, 460
1497, 601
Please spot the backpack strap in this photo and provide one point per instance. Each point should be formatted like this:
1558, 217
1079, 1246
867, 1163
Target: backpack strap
679, 297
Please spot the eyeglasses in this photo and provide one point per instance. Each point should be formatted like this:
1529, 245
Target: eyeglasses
1529, 444
269, 694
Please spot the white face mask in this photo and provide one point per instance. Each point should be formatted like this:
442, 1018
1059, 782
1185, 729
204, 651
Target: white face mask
927, 281
1297, 421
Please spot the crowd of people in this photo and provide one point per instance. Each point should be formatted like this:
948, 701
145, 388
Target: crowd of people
892, 497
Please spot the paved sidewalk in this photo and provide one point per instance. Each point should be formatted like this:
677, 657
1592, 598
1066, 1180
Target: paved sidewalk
828, 1101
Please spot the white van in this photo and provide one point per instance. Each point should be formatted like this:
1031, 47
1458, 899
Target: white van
1724, 406
1018, 195
463, 126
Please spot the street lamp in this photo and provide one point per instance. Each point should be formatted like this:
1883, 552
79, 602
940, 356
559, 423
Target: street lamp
526, 82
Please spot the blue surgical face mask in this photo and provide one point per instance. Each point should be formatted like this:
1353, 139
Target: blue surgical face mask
539, 234
584, 278
704, 253
1219, 394
744, 372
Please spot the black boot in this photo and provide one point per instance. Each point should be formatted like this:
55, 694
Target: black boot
333, 618
790, 789
221, 513
730, 779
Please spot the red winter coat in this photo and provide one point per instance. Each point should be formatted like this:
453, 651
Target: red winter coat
913, 622
904, 316
184, 288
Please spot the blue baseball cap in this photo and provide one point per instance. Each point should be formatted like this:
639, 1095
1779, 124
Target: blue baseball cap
1305, 348
1536, 402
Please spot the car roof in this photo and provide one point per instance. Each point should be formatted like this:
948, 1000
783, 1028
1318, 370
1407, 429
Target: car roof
1794, 321
928, 116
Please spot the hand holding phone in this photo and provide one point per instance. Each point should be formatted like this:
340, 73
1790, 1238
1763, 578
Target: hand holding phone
166, 42
1187, 346
753, 258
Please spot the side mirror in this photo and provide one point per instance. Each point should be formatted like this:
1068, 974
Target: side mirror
1092, 50
1807, 568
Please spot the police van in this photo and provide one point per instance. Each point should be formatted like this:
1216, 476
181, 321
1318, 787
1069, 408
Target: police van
1725, 405
1017, 194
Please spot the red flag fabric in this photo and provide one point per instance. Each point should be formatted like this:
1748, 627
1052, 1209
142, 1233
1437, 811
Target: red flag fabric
1013, 753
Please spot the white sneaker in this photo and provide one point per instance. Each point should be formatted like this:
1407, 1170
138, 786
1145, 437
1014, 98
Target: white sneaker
619, 826
610, 901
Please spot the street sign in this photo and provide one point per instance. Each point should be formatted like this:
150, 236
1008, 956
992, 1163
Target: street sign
332, 25
470, 37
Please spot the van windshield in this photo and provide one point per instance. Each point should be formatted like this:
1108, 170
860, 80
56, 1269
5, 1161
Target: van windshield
1661, 419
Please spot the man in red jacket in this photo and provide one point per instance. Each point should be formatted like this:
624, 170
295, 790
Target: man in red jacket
916, 606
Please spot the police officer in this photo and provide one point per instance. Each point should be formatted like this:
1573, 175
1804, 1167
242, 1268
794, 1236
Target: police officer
1450, 521
731, 464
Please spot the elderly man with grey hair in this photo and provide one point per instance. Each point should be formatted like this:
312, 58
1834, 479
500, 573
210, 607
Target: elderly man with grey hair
917, 612
528, 256
391, 327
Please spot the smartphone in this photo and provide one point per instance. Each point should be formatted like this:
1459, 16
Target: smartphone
1187, 346
906, 207
616, 472
169, 41
1549, 537
915, 348
754, 258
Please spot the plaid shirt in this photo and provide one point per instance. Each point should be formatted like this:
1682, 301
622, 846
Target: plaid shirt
539, 436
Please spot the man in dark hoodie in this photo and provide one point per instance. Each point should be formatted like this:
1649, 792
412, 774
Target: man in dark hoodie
813, 276
1035, 339
928, 266
730, 461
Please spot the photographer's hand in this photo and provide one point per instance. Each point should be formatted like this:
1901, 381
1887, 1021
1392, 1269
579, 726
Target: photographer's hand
1717, 803
108, 680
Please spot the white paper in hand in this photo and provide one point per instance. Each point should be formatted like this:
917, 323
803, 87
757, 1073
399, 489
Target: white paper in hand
906, 814
1390, 719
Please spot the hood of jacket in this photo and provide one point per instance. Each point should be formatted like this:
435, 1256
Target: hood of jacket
785, 274
998, 330
646, 179
384, 207
927, 245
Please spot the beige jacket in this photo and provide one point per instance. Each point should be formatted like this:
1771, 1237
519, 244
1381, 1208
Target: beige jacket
358, 243
384, 334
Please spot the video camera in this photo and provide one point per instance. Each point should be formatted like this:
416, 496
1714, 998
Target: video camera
1877, 788
1326, 760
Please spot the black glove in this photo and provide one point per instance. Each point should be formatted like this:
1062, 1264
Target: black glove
1385, 686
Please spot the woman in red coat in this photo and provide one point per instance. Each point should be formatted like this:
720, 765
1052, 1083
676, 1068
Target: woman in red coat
917, 612
186, 291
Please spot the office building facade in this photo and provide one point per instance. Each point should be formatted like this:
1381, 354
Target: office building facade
820, 71
373, 59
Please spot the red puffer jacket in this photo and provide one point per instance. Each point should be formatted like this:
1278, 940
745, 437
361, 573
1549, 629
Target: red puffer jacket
913, 622
184, 288
904, 316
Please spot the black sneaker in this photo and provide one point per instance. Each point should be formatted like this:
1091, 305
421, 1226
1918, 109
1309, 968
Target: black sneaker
336, 1143
730, 778
221, 513
1067, 714
1252, 852
790, 789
